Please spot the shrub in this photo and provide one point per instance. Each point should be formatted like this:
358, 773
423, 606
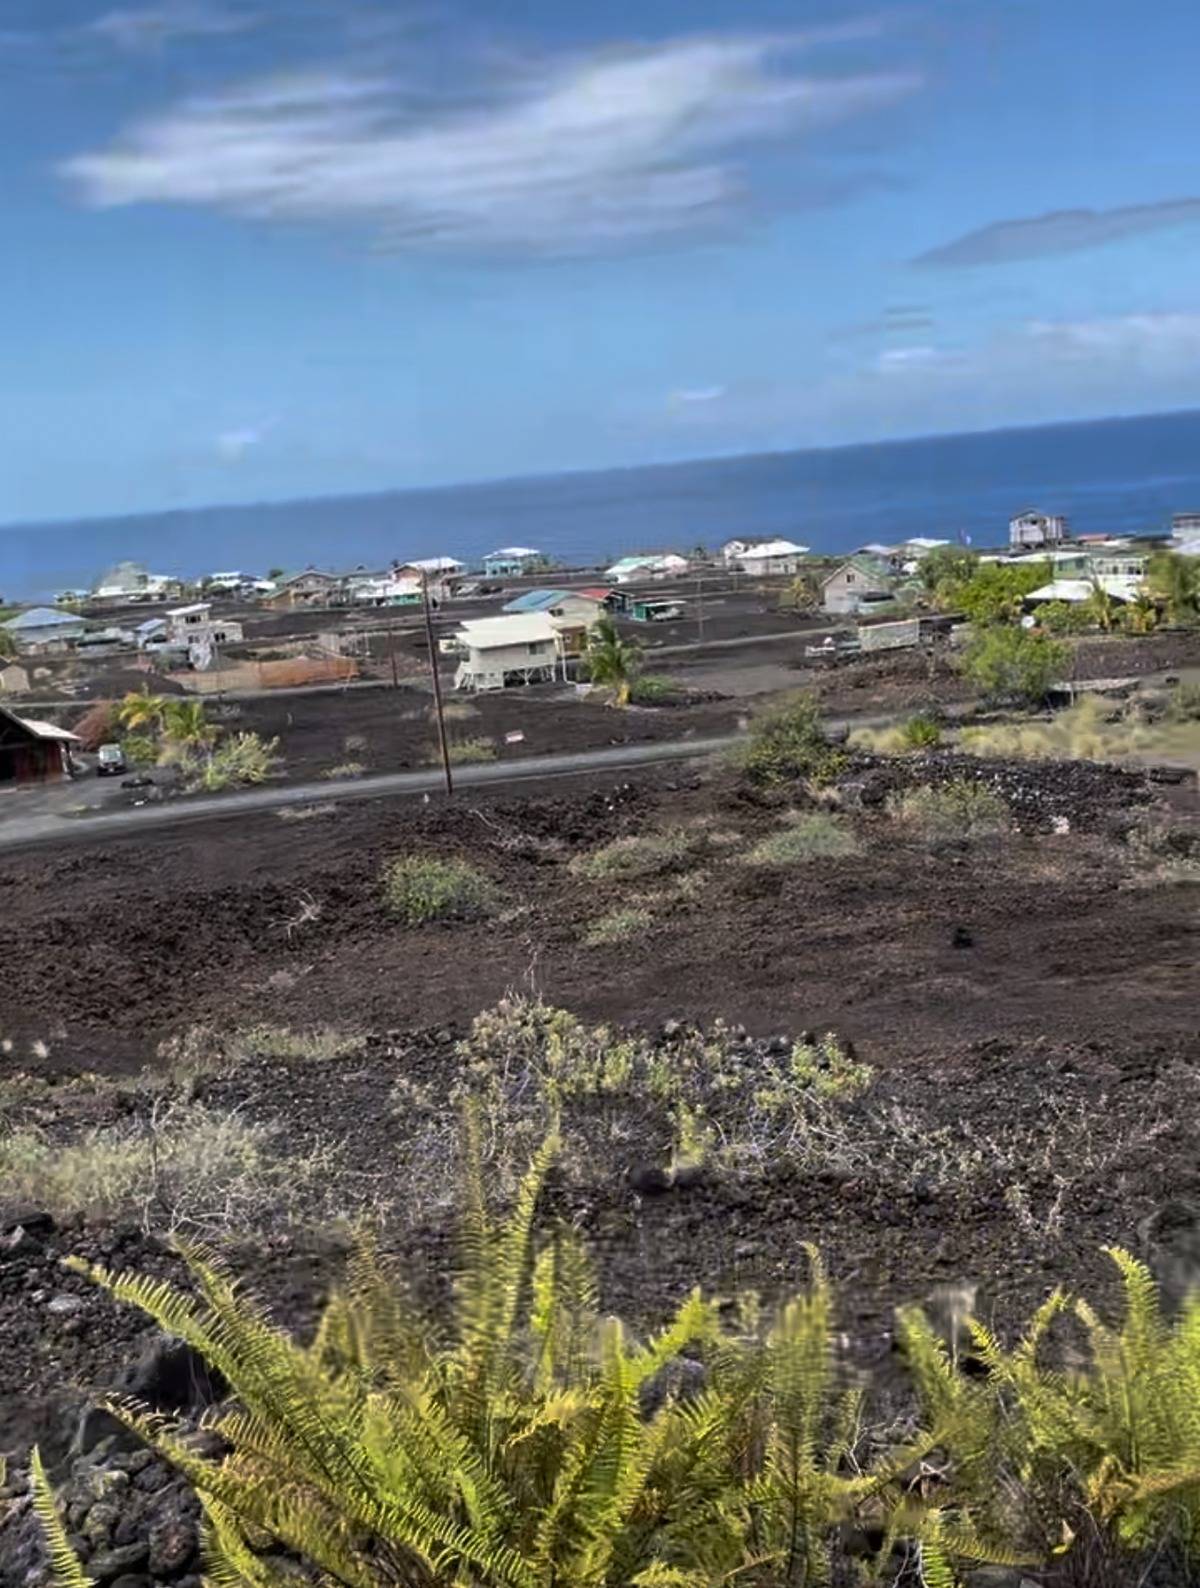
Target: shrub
1013, 664
343, 769
809, 836
1184, 705
246, 758
618, 926
650, 690
921, 732
636, 856
141, 749
465, 751
994, 592
1063, 617
960, 809
787, 742
423, 888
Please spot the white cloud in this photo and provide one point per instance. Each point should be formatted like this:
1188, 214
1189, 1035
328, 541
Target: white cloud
1168, 338
152, 27
698, 394
233, 445
921, 357
569, 156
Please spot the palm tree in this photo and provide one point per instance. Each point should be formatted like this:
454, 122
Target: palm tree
1102, 607
1141, 614
612, 660
185, 724
1175, 580
142, 712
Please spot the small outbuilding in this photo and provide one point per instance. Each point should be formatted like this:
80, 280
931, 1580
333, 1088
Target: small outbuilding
32, 752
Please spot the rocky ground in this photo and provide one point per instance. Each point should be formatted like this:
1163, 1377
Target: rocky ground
1024, 1000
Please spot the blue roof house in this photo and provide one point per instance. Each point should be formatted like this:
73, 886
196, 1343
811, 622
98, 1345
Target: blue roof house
45, 629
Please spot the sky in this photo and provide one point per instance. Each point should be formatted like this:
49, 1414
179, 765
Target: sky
252, 250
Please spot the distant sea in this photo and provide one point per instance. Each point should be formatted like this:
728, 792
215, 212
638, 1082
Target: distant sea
1113, 475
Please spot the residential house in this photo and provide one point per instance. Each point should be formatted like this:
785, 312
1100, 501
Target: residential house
99, 642
573, 612
43, 629
1035, 530
772, 557
512, 561
195, 625
440, 574
862, 581
523, 648
630, 570
384, 590
1185, 529
312, 588
733, 551
32, 752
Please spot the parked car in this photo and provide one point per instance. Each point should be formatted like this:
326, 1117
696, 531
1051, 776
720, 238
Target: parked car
110, 762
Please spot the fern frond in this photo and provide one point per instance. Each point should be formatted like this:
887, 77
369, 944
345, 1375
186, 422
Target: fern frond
68, 1572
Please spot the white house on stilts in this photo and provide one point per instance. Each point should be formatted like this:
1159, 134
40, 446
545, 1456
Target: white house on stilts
523, 649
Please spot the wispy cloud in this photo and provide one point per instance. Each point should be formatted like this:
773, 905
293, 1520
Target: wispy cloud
698, 394
566, 155
1059, 232
233, 445
152, 27
1156, 339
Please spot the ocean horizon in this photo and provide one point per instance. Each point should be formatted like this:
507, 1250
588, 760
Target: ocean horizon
1117, 476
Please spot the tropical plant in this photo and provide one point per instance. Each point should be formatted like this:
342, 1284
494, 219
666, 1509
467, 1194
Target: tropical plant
1013, 664
529, 1444
186, 725
1140, 616
1102, 608
611, 660
921, 731
946, 565
1062, 617
244, 758
1175, 581
802, 594
8, 644
142, 712
788, 742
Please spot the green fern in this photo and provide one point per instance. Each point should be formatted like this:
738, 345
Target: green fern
68, 1573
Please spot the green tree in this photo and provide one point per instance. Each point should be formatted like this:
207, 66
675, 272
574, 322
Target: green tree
611, 660
1175, 581
275, 573
787, 741
946, 565
186, 725
995, 592
1061, 617
1140, 616
1013, 663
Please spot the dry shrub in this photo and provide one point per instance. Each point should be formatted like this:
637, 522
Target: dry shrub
423, 888
97, 726
344, 769
637, 856
618, 926
809, 835
960, 809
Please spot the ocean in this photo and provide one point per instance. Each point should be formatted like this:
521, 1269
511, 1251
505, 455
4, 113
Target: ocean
1115, 475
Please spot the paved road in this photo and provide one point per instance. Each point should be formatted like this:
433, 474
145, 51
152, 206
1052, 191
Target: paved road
22, 832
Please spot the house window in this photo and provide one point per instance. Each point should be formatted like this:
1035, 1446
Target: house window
537, 648
849, 578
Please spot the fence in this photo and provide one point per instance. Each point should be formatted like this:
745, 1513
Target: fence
293, 672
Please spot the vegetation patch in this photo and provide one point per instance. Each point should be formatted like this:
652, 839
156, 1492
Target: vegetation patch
811, 835
787, 742
243, 760
618, 926
318, 1043
423, 888
648, 689
344, 769
1090, 730
641, 855
1014, 664
959, 809
463, 752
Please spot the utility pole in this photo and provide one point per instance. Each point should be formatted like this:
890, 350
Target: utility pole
392, 651
700, 604
437, 684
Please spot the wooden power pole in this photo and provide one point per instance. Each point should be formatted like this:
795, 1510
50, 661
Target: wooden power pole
437, 684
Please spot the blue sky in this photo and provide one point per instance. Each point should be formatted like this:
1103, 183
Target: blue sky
255, 251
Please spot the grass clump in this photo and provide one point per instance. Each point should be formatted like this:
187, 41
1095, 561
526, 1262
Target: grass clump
1092, 729
318, 1043
423, 888
618, 926
648, 689
640, 855
921, 731
185, 1165
1184, 705
809, 835
465, 751
343, 769
958, 809
787, 742
240, 761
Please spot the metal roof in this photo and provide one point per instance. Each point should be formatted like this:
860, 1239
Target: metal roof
528, 628
536, 600
43, 618
513, 551
1117, 586
40, 730
773, 548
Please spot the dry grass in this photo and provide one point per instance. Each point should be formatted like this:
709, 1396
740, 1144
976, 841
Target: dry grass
455, 711
1091, 730
344, 769
956, 810
182, 1166
618, 926
304, 813
809, 835
644, 855
318, 1043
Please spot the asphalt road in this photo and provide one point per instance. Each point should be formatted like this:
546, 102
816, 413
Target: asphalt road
23, 832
